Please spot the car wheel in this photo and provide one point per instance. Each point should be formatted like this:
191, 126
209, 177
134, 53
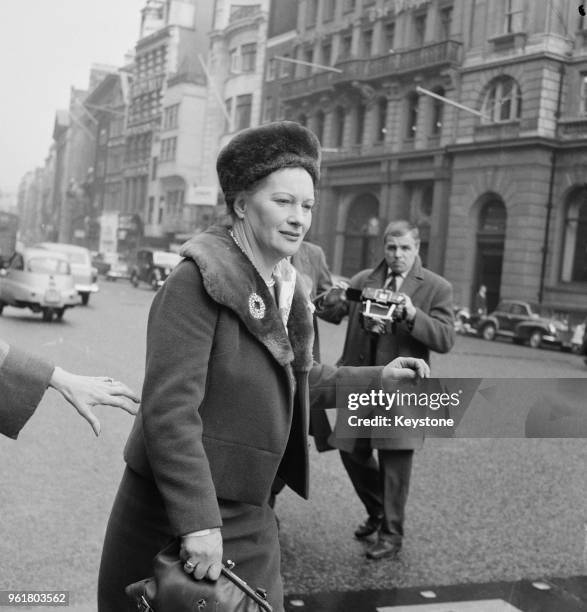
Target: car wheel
48, 315
1, 307
535, 339
85, 298
488, 332
134, 279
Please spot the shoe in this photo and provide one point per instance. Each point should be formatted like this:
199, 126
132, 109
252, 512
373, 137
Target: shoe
383, 548
370, 526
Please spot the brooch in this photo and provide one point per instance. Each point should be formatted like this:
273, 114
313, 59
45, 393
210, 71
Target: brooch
256, 306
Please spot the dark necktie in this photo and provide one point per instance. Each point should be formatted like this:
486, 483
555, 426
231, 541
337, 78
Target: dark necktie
391, 282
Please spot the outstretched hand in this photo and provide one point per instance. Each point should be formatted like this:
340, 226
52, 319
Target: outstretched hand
85, 392
406, 368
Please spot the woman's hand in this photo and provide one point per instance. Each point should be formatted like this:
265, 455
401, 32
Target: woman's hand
406, 368
85, 392
202, 554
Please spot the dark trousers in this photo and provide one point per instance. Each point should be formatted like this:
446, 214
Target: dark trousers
382, 487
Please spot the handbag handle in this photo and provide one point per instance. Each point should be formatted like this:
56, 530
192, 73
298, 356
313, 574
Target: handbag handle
257, 596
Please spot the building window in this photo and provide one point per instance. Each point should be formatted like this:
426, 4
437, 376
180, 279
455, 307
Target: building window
308, 57
311, 12
168, 149
243, 111
326, 51
366, 43
361, 111
174, 202
419, 29
381, 120
151, 209
161, 208
154, 163
436, 115
248, 57
319, 131
584, 93
513, 15
269, 109
503, 101
346, 43
234, 60
228, 116
389, 37
286, 68
170, 117
349, 5
339, 121
328, 10
302, 120
445, 22
575, 244
271, 69
412, 122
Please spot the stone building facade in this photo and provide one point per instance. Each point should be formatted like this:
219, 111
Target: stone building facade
495, 188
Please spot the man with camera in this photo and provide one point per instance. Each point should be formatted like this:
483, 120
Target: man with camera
412, 317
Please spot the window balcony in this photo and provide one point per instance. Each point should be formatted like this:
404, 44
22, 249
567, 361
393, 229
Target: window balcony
436, 55
570, 129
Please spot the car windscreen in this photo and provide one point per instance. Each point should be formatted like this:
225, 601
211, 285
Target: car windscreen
47, 265
169, 260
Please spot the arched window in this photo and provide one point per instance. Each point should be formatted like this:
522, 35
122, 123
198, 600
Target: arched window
436, 115
503, 100
361, 111
381, 120
575, 243
339, 121
320, 125
412, 122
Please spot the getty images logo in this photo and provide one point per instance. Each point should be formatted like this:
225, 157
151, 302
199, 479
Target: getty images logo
582, 10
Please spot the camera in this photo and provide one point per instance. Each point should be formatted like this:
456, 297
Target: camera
380, 308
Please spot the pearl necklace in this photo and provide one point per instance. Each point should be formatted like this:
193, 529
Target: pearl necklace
271, 282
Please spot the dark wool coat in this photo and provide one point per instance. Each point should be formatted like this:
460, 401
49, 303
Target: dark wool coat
433, 330
225, 401
23, 381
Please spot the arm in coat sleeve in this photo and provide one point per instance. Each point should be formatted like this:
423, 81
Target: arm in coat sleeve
24, 378
179, 340
435, 328
335, 310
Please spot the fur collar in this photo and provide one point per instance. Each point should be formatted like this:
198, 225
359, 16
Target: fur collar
230, 280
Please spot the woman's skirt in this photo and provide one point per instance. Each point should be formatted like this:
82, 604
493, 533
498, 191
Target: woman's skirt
138, 529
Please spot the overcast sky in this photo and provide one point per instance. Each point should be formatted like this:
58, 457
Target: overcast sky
46, 46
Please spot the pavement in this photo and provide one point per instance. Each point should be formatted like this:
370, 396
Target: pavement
543, 595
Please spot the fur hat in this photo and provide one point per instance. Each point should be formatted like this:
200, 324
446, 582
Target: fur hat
256, 152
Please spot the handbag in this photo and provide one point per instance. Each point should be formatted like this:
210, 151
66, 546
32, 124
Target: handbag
171, 589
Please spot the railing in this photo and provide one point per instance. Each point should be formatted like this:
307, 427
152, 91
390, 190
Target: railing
573, 128
446, 52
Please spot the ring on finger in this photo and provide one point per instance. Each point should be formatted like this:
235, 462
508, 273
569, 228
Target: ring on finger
189, 567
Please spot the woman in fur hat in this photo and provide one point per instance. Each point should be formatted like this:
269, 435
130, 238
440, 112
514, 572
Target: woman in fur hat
228, 372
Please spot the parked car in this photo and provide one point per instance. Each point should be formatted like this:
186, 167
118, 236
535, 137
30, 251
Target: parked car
153, 267
39, 280
85, 275
524, 322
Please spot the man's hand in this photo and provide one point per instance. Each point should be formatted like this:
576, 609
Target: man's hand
202, 554
85, 392
406, 368
406, 310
